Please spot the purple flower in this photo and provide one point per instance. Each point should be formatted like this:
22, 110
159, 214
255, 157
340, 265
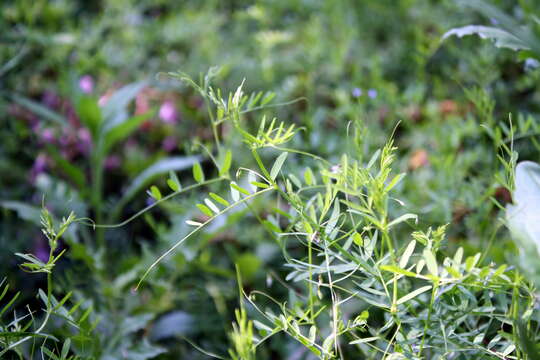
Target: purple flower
150, 201
47, 135
494, 21
169, 143
86, 83
112, 162
85, 140
50, 99
356, 92
41, 250
372, 93
39, 167
168, 113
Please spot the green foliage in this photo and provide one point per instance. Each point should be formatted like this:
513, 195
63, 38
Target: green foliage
356, 238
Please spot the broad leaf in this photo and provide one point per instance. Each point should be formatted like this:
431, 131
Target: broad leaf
500, 37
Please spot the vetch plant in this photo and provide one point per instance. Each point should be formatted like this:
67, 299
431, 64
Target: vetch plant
25, 329
357, 286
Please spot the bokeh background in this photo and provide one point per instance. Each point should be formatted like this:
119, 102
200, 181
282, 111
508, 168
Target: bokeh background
374, 63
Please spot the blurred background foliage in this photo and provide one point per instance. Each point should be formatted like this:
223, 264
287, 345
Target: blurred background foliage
63, 64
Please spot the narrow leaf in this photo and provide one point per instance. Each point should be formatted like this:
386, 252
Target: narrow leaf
277, 165
219, 199
431, 262
413, 294
407, 254
198, 173
205, 210
226, 165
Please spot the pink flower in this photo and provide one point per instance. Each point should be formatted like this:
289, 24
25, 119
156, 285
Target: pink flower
47, 136
86, 83
168, 113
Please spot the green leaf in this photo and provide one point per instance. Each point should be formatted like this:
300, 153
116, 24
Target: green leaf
239, 188
155, 193
402, 218
277, 165
24, 211
260, 184
116, 105
413, 294
90, 114
173, 181
198, 173
365, 340
73, 172
219, 199
431, 262
471, 262
358, 240
271, 226
331, 224
65, 349
308, 177
226, 165
395, 181
42, 111
407, 254
205, 210
397, 270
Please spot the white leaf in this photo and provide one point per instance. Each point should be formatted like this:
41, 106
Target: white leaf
501, 38
524, 217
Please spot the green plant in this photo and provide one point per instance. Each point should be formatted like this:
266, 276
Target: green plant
339, 239
23, 330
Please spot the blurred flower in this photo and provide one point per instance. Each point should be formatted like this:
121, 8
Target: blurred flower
39, 166
41, 249
448, 107
150, 201
142, 105
494, 21
84, 144
50, 99
169, 143
372, 93
168, 113
112, 162
356, 92
86, 84
47, 135
418, 159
